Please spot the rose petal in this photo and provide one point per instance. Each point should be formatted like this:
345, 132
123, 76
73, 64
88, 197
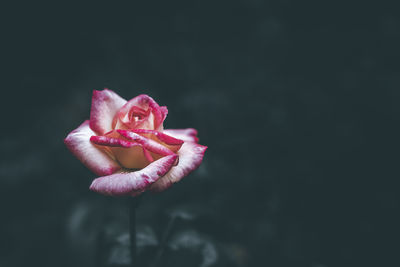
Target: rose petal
190, 158
92, 157
145, 102
105, 104
164, 111
131, 158
133, 183
188, 134
162, 137
148, 155
131, 155
111, 142
147, 143
170, 142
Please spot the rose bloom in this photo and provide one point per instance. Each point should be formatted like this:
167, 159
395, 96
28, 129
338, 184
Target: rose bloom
125, 143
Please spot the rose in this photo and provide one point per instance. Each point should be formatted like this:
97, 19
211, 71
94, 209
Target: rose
124, 142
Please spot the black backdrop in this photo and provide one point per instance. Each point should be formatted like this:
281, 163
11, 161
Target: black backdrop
298, 104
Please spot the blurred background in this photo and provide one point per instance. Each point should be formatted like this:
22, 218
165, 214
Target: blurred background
297, 102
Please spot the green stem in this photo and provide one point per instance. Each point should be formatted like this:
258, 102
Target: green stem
133, 204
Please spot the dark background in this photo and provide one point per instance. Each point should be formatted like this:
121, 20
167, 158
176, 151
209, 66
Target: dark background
297, 102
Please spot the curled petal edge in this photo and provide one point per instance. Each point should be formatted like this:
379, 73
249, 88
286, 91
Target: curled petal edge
190, 157
133, 183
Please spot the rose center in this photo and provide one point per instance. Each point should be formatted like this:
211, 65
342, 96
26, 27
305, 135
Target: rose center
137, 114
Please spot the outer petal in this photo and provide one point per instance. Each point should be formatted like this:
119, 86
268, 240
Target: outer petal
105, 104
78, 142
133, 183
188, 134
164, 111
190, 157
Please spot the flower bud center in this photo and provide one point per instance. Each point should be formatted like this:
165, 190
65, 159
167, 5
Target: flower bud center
137, 114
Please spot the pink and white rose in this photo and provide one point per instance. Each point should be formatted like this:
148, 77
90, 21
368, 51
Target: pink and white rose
125, 143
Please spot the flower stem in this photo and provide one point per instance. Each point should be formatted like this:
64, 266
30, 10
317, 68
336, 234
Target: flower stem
133, 204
